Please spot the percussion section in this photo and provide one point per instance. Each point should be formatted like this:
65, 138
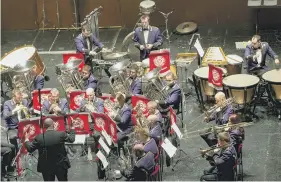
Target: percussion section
234, 64
273, 78
147, 7
215, 56
242, 87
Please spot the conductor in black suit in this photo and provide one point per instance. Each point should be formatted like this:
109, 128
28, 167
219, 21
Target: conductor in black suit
53, 160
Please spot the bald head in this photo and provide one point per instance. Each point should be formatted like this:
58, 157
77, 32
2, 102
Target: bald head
152, 119
220, 98
48, 123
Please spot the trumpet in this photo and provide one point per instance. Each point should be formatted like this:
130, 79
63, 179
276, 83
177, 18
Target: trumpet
24, 110
217, 108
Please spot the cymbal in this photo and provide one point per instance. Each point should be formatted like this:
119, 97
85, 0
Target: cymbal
24, 66
116, 55
186, 28
120, 65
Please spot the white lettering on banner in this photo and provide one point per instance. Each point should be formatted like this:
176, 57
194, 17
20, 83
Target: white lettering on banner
103, 159
107, 137
104, 146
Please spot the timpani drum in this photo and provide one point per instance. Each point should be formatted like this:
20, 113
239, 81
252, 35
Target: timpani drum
147, 7
234, 65
202, 74
24, 53
273, 78
241, 87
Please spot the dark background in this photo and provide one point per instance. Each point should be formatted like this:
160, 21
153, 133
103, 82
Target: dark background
27, 14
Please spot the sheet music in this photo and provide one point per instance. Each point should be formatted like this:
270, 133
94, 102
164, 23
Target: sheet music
104, 146
199, 48
103, 159
177, 130
80, 139
169, 147
107, 137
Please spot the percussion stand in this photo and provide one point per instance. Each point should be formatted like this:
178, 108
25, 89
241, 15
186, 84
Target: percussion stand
246, 109
198, 92
167, 37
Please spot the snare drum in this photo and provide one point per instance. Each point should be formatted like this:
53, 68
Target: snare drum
147, 7
273, 78
23, 53
203, 74
242, 87
234, 65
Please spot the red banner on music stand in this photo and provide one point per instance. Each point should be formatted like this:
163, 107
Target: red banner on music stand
141, 101
173, 119
108, 102
112, 129
59, 124
35, 98
215, 76
76, 98
160, 58
68, 57
100, 122
80, 122
19, 162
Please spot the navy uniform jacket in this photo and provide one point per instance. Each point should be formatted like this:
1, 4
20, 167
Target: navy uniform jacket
224, 162
151, 146
135, 87
154, 37
144, 165
265, 50
98, 103
38, 82
222, 117
56, 153
123, 119
63, 105
81, 43
156, 132
11, 120
236, 137
91, 82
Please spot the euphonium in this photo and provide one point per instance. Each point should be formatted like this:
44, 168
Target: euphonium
141, 119
111, 107
217, 108
90, 106
24, 110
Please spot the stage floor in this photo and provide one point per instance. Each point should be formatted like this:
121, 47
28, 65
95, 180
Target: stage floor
262, 146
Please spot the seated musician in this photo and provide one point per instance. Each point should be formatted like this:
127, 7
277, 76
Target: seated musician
7, 153
174, 93
122, 116
144, 165
55, 105
14, 110
84, 44
147, 38
91, 99
256, 53
142, 135
152, 110
135, 87
222, 159
155, 130
89, 80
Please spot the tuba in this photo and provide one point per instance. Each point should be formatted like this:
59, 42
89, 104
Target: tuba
155, 90
120, 77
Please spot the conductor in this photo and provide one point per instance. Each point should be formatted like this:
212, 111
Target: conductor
53, 160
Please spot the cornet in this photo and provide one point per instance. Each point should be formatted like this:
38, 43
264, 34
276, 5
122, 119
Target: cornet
90, 106
24, 110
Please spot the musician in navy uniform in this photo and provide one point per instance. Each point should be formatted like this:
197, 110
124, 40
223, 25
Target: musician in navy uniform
52, 161
135, 87
89, 80
122, 117
39, 80
55, 104
7, 154
95, 101
155, 130
142, 135
222, 160
143, 167
256, 53
220, 116
152, 110
12, 112
147, 38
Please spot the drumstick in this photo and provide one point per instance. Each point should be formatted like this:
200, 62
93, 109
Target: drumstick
233, 59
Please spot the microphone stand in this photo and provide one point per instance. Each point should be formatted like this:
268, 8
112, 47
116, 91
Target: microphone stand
41, 125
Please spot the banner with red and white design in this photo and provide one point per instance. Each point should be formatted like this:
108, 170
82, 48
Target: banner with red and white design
108, 102
19, 162
80, 122
160, 59
173, 118
75, 99
35, 98
100, 122
140, 101
112, 129
70, 56
59, 124
215, 76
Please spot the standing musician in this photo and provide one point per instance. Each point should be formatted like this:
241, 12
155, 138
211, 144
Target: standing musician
122, 116
155, 130
39, 80
144, 165
55, 104
147, 38
142, 135
14, 110
256, 53
174, 91
52, 160
135, 87
223, 160
7, 153
152, 110
93, 101
220, 116
84, 44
